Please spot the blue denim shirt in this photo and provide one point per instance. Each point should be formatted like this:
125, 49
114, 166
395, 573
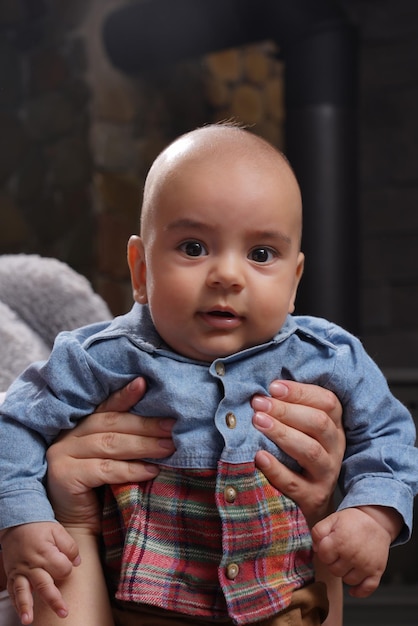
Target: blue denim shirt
380, 465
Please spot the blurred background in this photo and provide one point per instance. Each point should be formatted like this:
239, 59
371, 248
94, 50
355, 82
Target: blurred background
92, 90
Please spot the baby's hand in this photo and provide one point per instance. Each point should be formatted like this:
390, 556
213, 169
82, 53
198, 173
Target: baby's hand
35, 555
355, 547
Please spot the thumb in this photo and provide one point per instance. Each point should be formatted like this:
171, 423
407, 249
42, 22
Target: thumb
323, 529
125, 398
66, 544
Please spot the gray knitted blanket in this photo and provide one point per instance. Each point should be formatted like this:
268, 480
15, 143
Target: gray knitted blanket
39, 297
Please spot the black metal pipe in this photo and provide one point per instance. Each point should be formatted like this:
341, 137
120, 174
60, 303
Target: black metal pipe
319, 48
321, 131
149, 33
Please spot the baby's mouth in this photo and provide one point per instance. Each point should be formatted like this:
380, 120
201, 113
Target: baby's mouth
222, 319
226, 314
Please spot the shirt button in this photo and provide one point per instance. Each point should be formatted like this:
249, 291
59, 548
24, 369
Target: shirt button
231, 420
220, 368
232, 571
230, 494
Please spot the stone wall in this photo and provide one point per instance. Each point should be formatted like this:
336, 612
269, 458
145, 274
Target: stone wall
79, 137
132, 119
45, 157
388, 158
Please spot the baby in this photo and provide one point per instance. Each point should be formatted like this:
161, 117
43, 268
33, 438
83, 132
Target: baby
215, 273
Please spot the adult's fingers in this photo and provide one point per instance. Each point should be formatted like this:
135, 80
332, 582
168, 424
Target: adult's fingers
115, 435
70, 487
123, 422
307, 436
91, 473
125, 398
312, 495
306, 424
285, 480
308, 395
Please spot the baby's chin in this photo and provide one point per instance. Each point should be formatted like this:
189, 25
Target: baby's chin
219, 349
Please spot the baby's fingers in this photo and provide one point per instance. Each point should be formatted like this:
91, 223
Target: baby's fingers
21, 595
323, 540
361, 587
328, 553
44, 587
324, 528
67, 555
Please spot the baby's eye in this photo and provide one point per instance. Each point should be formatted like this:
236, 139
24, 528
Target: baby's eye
193, 248
262, 255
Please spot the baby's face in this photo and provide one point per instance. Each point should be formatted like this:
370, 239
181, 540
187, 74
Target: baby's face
220, 256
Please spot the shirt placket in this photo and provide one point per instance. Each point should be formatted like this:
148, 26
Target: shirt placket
233, 481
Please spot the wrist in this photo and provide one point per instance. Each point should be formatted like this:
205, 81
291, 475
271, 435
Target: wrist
320, 509
4, 532
81, 512
79, 531
387, 517
83, 526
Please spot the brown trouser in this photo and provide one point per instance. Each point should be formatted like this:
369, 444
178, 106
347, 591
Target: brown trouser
309, 607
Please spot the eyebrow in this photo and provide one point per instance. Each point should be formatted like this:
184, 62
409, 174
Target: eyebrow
185, 223
273, 234
260, 234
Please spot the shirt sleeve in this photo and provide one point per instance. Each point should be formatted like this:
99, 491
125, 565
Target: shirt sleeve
380, 466
47, 398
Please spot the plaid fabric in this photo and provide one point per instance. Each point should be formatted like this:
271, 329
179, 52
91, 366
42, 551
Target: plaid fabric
171, 542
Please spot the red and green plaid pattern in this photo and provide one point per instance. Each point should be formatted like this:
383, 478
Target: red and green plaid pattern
169, 542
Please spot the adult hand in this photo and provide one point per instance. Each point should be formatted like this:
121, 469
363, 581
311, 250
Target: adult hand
105, 448
305, 422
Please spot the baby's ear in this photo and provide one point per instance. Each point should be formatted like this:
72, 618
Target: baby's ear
298, 275
137, 266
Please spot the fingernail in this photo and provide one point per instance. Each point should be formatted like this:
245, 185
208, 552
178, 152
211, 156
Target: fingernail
261, 403
263, 460
135, 384
152, 469
262, 421
167, 444
279, 389
166, 425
